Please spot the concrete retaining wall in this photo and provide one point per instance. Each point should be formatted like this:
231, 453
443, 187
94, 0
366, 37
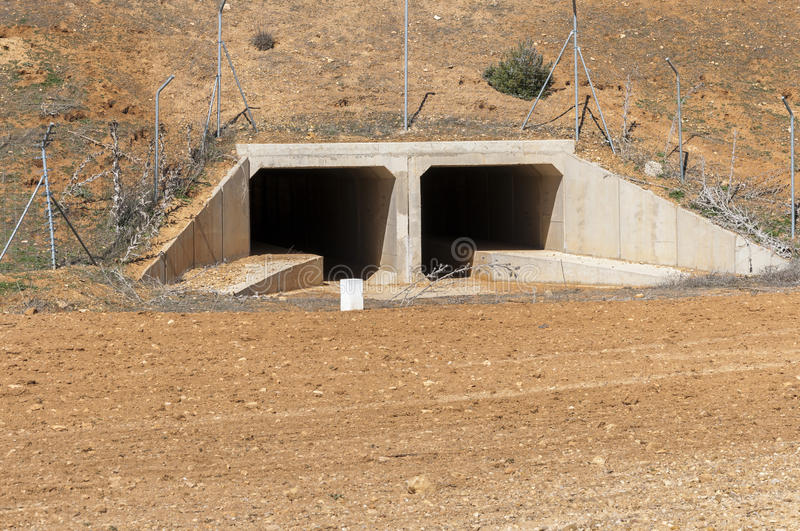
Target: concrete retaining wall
594, 212
609, 217
219, 232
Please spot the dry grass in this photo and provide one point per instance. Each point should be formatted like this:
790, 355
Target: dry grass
787, 276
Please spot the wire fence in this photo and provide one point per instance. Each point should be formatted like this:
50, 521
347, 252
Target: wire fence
30, 250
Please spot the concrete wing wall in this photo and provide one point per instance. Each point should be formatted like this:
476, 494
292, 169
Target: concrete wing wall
608, 217
220, 231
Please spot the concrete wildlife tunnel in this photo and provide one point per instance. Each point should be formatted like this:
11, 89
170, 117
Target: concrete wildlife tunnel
390, 211
338, 213
498, 207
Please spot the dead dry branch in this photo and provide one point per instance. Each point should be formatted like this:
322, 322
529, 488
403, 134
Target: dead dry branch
134, 214
53, 106
718, 202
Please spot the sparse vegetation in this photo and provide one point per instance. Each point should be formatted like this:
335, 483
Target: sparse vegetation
263, 40
7, 287
677, 195
134, 216
719, 202
522, 73
772, 277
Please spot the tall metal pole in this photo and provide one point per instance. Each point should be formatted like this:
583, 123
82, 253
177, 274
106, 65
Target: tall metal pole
575, 52
680, 122
45, 140
791, 170
219, 63
157, 167
405, 92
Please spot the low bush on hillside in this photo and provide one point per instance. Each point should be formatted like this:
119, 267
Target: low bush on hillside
263, 40
522, 72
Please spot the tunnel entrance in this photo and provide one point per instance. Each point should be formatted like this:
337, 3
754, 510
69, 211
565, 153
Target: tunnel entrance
339, 213
468, 208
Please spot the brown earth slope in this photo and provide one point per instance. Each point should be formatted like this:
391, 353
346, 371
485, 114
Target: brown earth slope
645, 414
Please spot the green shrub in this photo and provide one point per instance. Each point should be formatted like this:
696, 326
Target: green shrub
521, 73
677, 195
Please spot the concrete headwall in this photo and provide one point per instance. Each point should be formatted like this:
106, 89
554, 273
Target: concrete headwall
220, 231
589, 211
408, 161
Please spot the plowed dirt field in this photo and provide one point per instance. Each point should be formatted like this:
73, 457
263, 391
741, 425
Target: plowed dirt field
642, 414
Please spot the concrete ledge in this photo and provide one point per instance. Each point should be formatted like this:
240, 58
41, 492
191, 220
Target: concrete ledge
358, 154
563, 268
295, 271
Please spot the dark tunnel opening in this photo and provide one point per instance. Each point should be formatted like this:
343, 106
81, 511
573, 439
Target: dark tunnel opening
468, 208
339, 213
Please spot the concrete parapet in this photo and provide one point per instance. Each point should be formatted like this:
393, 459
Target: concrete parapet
179, 255
236, 212
753, 259
208, 233
591, 210
156, 270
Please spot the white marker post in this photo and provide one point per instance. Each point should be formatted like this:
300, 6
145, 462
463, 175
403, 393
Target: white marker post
351, 293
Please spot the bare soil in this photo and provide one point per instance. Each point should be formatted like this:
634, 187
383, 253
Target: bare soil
639, 414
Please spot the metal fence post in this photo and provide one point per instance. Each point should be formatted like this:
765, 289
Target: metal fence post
45, 141
791, 169
680, 122
219, 63
157, 167
575, 53
405, 92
